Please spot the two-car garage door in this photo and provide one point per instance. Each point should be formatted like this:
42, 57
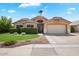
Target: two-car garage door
56, 29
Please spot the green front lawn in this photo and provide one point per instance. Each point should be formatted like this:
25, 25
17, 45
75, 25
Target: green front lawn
17, 37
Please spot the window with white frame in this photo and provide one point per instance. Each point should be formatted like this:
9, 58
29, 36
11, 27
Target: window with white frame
19, 26
30, 26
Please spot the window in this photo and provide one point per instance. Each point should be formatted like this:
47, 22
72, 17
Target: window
30, 26
19, 26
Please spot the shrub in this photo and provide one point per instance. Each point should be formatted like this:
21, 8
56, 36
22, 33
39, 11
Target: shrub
34, 31
9, 42
23, 29
12, 30
19, 30
72, 29
31, 31
26, 30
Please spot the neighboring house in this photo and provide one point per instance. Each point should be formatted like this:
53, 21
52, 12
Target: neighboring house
56, 25
75, 24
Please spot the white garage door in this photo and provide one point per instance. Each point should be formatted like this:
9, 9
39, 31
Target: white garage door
56, 29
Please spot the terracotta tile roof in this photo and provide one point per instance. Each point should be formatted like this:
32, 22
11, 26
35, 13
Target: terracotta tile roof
60, 18
41, 17
24, 19
38, 17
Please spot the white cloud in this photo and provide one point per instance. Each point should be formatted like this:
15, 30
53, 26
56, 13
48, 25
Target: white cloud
69, 12
24, 5
72, 9
44, 10
11, 11
3, 10
32, 15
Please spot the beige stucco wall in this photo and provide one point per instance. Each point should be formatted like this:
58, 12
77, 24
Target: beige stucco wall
24, 23
76, 27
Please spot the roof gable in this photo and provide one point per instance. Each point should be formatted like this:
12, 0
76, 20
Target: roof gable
39, 18
59, 19
23, 21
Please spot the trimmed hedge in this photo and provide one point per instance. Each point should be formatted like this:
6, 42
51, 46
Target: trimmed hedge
31, 31
19, 30
23, 29
26, 30
12, 30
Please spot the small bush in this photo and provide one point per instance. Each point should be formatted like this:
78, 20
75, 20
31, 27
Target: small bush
12, 30
9, 42
72, 29
31, 31
19, 30
23, 29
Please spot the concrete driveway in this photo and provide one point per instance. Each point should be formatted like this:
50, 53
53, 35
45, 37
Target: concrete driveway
66, 44
63, 38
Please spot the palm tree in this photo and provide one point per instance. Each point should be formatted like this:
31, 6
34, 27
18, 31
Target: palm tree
40, 12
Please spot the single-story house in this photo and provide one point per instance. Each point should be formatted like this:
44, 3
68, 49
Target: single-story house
55, 25
75, 25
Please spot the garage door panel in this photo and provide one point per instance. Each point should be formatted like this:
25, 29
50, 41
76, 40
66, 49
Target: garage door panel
56, 29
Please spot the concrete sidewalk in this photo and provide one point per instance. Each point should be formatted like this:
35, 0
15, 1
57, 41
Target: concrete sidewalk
40, 50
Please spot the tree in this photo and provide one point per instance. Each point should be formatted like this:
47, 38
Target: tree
5, 24
72, 29
40, 12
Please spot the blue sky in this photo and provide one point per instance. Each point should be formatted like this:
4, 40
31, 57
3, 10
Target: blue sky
16, 11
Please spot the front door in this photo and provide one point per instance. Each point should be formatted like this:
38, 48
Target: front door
40, 27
